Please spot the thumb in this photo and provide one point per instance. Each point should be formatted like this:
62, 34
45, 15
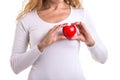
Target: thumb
75, 38
79, 38
61, 37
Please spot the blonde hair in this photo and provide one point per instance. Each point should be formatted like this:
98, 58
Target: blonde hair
38, 4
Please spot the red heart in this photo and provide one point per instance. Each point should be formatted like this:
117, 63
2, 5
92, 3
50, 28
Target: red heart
69, 31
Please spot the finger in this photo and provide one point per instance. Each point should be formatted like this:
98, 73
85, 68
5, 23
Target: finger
78, 25
57, 28
83, 26
65, 24
83, 29
53, 29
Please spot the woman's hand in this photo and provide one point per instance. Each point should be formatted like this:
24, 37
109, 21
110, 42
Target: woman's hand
84, 34
51, 37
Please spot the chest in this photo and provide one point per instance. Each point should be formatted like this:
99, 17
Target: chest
39, 28
54, 16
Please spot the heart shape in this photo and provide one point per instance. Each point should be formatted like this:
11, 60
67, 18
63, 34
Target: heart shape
69, 31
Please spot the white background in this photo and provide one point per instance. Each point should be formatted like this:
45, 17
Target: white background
106, 17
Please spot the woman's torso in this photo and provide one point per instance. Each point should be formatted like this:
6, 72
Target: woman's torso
59, 61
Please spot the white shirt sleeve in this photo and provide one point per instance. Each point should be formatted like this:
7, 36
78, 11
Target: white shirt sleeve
98, 51
20, 58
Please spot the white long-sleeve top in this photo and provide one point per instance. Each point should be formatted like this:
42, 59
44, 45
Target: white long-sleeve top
59, 61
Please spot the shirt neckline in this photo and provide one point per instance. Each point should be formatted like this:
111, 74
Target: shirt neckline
43, 21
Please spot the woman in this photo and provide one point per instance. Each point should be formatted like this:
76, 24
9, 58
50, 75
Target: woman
51, 54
